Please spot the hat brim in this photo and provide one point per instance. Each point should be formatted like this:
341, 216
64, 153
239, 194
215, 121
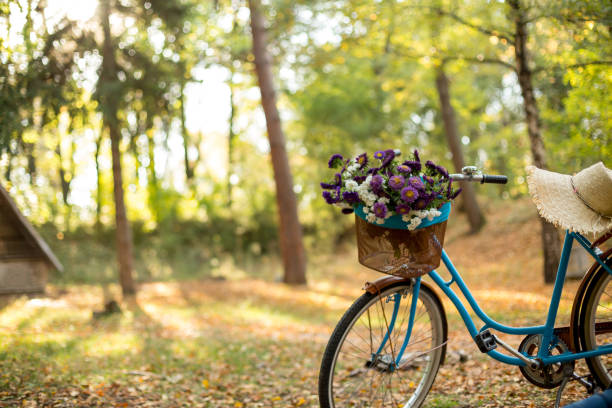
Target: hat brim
557, 203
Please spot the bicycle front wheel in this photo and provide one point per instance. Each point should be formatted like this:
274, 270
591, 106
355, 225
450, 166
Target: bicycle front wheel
596, 324
357, 372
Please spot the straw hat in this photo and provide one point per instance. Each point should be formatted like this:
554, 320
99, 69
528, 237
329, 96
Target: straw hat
581, 203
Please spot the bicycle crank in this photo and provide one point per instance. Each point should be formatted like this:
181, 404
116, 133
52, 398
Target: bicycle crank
546, 376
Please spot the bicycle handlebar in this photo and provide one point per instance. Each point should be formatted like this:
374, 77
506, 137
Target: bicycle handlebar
494, 179
482, 178
470, 174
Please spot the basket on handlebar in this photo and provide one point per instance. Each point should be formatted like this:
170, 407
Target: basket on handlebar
393, 249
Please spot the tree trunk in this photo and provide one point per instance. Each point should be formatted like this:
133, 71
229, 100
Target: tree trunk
110, 107
29, 151
63, 179
152, 182
290, 230
188, 168
9, 164
230, 139
551, 244
98, 185
475, 217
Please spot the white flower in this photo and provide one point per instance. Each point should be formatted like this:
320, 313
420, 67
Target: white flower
366, 210
380, 220
351, 185
353, 167
431, 214
383, 200
370, 218
414, 223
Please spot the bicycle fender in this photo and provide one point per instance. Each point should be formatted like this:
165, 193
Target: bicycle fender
381, 283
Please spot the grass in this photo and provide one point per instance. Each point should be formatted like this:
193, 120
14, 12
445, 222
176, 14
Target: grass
256, 343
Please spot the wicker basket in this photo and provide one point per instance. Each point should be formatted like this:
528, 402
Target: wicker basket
401, 252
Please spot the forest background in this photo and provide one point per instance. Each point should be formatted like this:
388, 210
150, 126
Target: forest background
168, 90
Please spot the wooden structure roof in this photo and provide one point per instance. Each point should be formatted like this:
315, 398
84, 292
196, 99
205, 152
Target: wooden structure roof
32, 245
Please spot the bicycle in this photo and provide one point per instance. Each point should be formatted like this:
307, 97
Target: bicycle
387, 348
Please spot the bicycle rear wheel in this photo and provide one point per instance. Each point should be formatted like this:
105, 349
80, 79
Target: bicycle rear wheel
354, 375
595, 324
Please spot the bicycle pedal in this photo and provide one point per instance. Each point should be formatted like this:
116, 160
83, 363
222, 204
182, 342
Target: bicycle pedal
485, 341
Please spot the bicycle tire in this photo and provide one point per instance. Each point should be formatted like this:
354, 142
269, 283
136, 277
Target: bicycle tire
597, 308
344, 362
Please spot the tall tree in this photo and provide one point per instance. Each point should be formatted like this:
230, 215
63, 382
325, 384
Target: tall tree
474, 215
551, 244
290, 230
231, 136
109, 93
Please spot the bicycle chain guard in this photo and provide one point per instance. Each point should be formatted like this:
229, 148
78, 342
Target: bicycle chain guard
546, 376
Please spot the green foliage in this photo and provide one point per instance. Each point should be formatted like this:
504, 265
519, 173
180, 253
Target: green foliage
582, 130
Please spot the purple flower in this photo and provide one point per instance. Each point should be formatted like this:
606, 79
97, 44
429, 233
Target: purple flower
329, 199
402, 208
437, 169
334, 161
409, 194
351, 197
380, 210
347, 211
337, 179
376, 183
379, 155
403, 168
397, 182
455, 194
373, 170
416, 156
422, 202
442, 171
359, 179
389, 156
327, 186
362, 159
428, 180
416, 182
414, 165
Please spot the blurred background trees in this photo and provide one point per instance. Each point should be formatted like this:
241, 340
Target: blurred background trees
158, 102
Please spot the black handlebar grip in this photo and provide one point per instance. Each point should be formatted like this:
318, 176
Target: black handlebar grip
489, 178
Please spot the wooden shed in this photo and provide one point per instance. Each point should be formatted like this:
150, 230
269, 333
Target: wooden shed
25, 258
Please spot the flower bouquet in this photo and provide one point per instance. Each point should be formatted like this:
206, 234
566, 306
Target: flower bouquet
401, 209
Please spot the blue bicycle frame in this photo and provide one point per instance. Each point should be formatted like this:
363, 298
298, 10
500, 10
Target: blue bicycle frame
547, 330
